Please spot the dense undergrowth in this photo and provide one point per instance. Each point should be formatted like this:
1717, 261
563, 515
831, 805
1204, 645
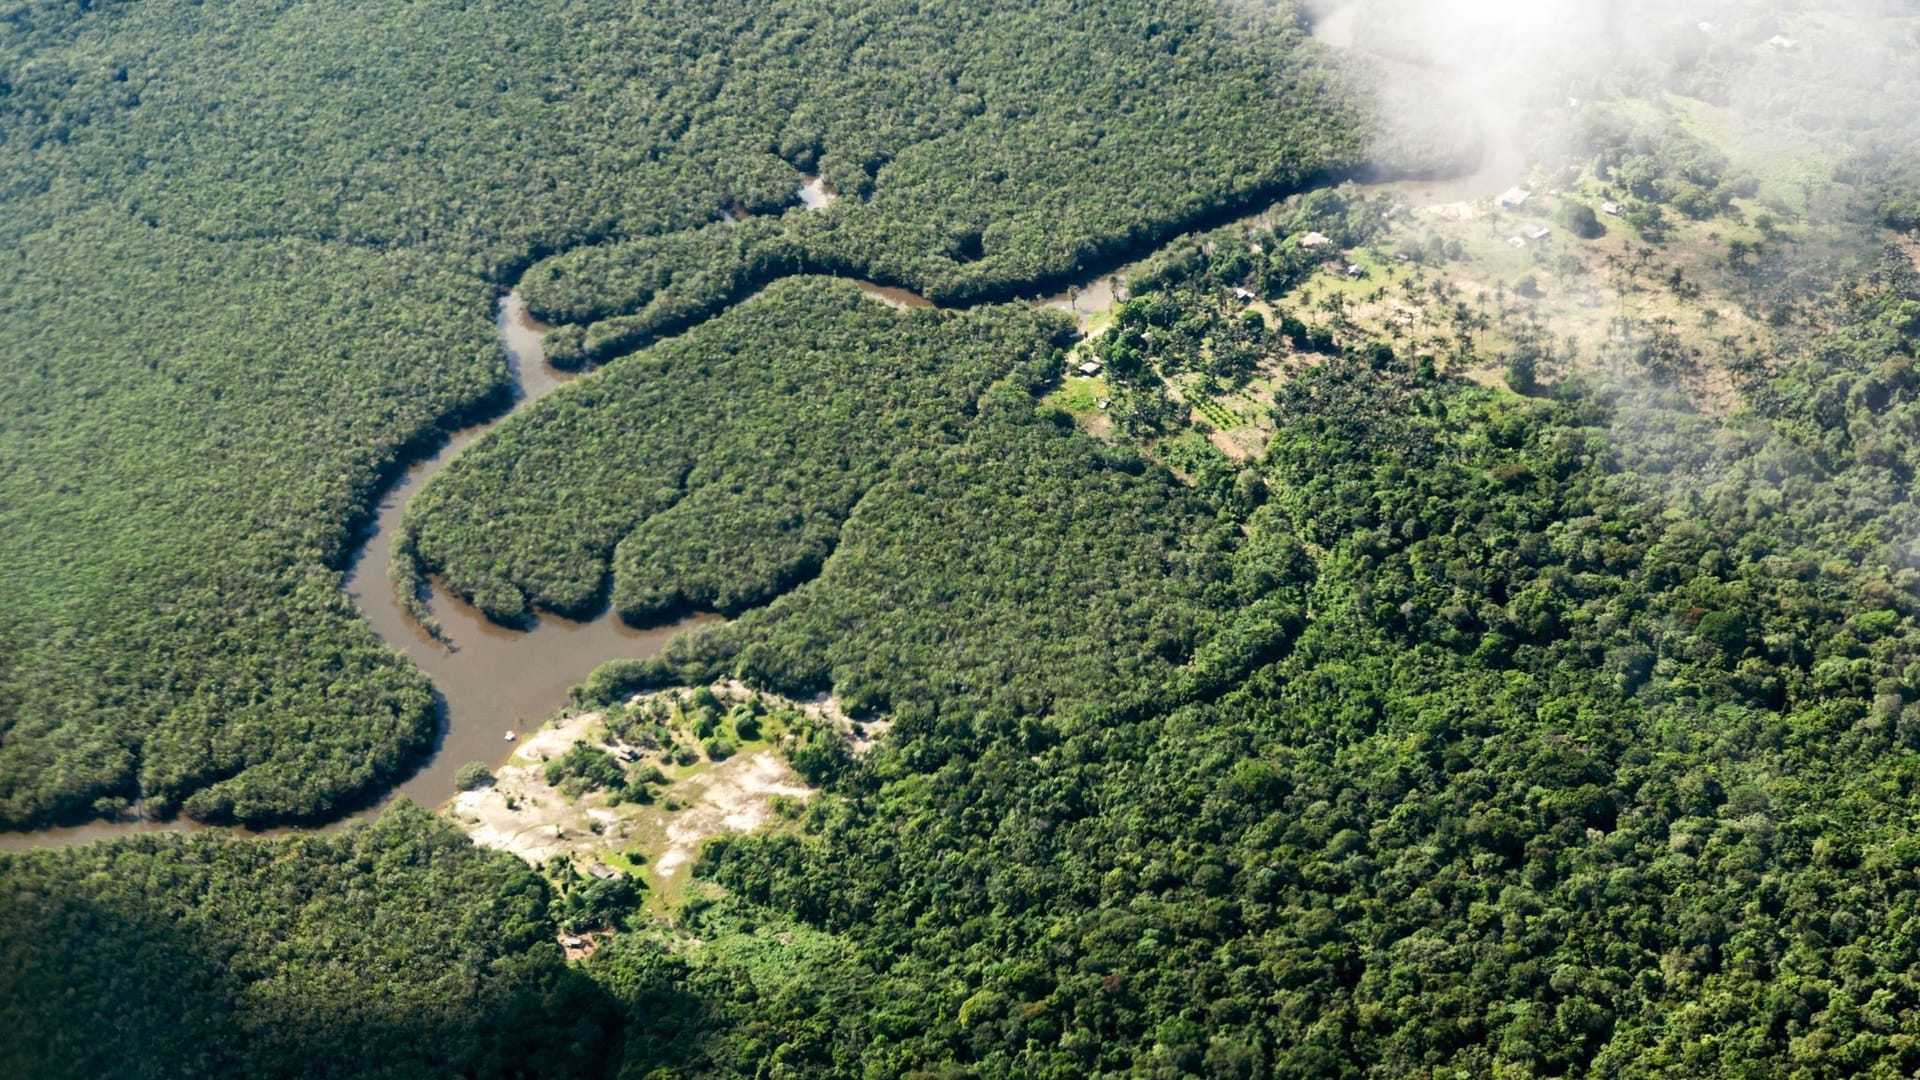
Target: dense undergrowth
1582, 743
1565, 733
1025, 578
715, 471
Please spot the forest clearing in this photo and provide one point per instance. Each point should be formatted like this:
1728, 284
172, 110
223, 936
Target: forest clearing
1328, 539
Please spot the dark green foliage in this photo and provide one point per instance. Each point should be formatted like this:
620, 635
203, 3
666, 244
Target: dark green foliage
1025, 572
1566, 735
396, 949
1225, 258
1594, 760
1027, 122
585, 767
1579, 219
603, 900
472, 775
164, 531
714, 471
254, 244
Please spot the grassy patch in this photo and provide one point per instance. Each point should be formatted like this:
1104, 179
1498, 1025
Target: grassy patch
1079, 395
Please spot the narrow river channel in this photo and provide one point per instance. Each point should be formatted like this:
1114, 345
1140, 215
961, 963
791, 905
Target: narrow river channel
495, 681
492, 680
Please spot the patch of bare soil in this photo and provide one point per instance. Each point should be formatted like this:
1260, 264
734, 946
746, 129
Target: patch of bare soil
601, 832
734, 796
522, 813
1229, 446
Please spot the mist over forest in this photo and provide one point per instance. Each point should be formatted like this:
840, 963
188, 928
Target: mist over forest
1174, 538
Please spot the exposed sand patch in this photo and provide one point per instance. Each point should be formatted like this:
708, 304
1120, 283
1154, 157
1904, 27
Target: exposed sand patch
602, 833
734, 796
521, 812
524, 814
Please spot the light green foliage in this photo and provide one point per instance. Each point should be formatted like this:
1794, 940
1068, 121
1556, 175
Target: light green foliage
1596, 759
585, 767
472, 775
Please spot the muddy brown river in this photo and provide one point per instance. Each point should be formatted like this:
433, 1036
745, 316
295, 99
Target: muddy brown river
492, 680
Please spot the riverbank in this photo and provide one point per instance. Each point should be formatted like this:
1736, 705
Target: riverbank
639, 788
492, 681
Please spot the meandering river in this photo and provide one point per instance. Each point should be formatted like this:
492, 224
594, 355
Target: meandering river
491, 680
495, 681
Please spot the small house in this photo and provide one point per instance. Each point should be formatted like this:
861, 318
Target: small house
1090, 368
1611, 209
1782, 42
1356, 271
1244, 294
1535, 232
1314, 240
1515, 242
1513, 198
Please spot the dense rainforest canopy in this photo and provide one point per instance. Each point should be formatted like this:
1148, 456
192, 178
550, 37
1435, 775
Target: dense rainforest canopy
715, 470
1594, 758
1565, 727
1582, 744
259, 241
395, 949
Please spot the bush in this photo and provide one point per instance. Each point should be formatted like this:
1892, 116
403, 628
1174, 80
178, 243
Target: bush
473, 775
1579, 219
719, 749
584, 768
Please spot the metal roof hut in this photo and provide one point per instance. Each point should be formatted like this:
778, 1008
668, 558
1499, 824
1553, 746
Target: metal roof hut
1513, 198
